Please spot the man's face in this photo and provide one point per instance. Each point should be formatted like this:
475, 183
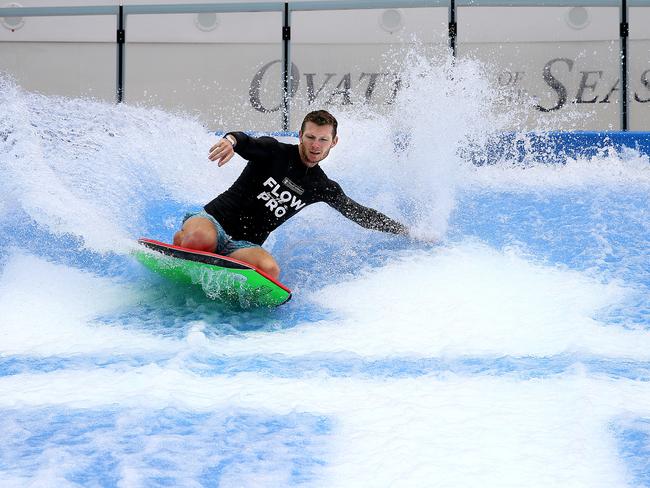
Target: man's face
315, 143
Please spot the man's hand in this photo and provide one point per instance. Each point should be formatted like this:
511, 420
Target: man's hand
221, 152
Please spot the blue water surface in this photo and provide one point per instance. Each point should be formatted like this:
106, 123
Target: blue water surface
168, 447
601, 232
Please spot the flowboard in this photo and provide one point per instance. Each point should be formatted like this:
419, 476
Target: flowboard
221, 278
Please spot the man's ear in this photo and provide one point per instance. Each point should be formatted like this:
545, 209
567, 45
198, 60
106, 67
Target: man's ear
300, 135
335, 141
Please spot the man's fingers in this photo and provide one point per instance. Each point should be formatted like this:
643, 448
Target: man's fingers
222, 152
224, 155
216, 152
225, 159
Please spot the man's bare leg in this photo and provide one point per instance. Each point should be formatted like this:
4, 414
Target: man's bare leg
259, 258
197, 233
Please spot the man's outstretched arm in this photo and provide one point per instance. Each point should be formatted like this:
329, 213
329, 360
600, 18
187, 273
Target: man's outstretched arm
364, 216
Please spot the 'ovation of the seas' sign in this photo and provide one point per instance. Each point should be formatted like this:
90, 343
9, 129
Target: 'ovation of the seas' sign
559, 77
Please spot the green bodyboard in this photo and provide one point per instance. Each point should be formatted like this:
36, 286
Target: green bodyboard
220, 277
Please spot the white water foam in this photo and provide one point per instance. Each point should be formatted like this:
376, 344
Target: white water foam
460, 431
465, 300
50, 309
87, 169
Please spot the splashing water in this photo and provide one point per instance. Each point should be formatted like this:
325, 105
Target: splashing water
88, 169
514, 353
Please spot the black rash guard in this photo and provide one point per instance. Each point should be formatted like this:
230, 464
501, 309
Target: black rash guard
275, 185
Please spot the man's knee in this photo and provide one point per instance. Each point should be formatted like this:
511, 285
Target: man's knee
270, 267
262, 260
198, 239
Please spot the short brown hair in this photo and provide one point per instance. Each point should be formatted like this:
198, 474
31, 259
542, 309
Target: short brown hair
320, 117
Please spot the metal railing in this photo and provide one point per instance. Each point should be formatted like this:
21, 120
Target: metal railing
286, 8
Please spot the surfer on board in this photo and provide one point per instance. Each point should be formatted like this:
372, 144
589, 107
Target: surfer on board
278, 181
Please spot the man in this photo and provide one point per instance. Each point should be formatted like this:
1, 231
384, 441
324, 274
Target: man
278, 181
